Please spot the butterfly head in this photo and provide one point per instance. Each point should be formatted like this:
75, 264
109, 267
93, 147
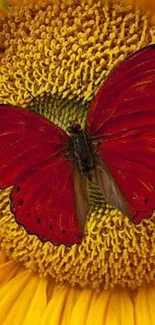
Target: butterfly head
74, 128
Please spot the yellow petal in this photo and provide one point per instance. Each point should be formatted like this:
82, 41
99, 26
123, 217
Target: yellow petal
22, 299
69, 305
98, 307
81, 307
7, 271
54, 310
120, 310
144, 306
37, 305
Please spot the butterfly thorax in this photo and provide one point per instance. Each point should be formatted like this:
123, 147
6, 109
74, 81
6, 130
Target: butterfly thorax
80, 150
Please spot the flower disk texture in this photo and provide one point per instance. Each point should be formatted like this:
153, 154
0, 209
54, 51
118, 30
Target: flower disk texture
46, 49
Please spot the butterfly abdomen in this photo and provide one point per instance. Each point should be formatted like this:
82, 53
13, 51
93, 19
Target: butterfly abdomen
81, 150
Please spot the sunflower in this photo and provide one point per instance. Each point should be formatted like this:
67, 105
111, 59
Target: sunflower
109, 278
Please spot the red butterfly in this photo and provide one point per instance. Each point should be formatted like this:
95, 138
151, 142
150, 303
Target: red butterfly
50, 169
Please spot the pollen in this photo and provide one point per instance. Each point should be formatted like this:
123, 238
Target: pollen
67, 49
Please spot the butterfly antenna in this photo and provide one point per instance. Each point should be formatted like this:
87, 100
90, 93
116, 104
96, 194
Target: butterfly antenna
55, 117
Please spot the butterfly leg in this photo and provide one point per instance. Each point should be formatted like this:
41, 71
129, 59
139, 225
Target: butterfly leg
95, 141
69, 156
97, 144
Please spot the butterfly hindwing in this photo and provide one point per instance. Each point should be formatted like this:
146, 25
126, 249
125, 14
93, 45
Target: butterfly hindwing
109, 188
43, 201
123, 116
82, 197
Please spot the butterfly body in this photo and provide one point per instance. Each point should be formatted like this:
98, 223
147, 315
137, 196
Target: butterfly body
81, 150
49, 169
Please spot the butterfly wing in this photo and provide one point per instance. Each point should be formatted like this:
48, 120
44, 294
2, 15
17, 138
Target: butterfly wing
111, 192
123, 116
32, 160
